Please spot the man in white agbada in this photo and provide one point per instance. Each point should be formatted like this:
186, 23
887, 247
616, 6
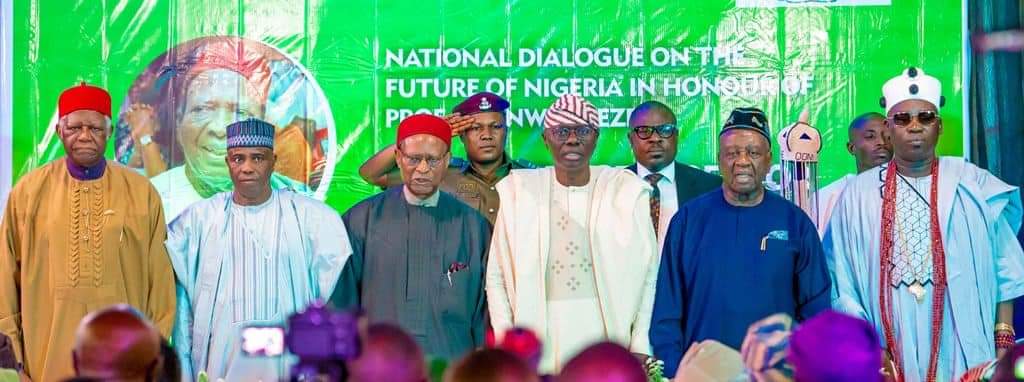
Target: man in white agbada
865, 141
574, 255
249, 257
924, 247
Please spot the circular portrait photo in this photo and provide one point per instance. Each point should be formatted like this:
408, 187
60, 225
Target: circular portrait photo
172, 125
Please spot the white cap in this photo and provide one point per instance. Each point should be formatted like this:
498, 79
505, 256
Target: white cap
912, 84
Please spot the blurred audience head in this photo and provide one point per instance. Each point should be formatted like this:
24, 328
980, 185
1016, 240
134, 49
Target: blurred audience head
490, 365
117, 344
834, 347
388, 354
603, 362
522, 343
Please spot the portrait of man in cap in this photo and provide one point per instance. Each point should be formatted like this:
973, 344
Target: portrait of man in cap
172, 122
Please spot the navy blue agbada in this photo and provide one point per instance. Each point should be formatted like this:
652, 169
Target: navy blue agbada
724, 267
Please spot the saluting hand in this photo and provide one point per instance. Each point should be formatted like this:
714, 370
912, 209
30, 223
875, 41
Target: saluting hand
459, 122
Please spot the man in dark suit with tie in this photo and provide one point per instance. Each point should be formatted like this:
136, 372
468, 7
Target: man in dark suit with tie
654, 138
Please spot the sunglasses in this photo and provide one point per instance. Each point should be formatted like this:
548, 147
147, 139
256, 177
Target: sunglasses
665, 131
926, 117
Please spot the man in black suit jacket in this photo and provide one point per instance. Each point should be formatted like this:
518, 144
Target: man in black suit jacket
654, 138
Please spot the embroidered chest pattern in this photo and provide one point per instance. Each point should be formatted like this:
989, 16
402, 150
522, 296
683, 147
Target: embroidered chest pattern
85, 262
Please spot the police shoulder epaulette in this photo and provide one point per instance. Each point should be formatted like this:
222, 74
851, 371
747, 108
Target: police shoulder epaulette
457, 162
522, 163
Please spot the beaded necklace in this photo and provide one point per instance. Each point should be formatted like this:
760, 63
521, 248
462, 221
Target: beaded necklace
938, 268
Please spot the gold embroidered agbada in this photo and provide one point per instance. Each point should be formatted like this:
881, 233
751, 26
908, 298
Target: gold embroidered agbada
69, 247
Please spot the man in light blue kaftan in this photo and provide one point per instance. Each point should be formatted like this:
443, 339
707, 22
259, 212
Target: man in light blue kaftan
249, 257
970, 213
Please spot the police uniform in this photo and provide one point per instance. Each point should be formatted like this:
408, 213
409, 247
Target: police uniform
462, 180
475, 189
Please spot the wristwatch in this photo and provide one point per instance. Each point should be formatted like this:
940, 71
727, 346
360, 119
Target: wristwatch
145, 140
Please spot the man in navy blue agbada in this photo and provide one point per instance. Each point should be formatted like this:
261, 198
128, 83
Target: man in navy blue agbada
736, 254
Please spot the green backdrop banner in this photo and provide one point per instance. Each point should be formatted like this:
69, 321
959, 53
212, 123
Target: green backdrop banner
335, 77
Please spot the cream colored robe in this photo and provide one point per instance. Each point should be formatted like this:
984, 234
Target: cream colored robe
623, 246
70, 247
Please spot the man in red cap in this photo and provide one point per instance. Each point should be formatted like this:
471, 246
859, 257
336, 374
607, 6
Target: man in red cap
78, 234
418, 254
480, 122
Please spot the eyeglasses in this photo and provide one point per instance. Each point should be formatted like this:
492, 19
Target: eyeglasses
561, 133
926, 117
665, 131
414, 161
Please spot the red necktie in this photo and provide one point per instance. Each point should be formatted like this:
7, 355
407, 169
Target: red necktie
653, 179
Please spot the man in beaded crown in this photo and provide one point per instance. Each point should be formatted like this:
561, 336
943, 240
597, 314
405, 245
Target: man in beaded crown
924, 242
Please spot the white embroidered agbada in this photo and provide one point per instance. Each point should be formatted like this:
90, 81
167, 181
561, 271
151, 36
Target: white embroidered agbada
240, 266
623, 253
828, 197
979, 217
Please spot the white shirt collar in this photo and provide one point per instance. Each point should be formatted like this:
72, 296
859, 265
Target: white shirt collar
668, 173
416, 201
